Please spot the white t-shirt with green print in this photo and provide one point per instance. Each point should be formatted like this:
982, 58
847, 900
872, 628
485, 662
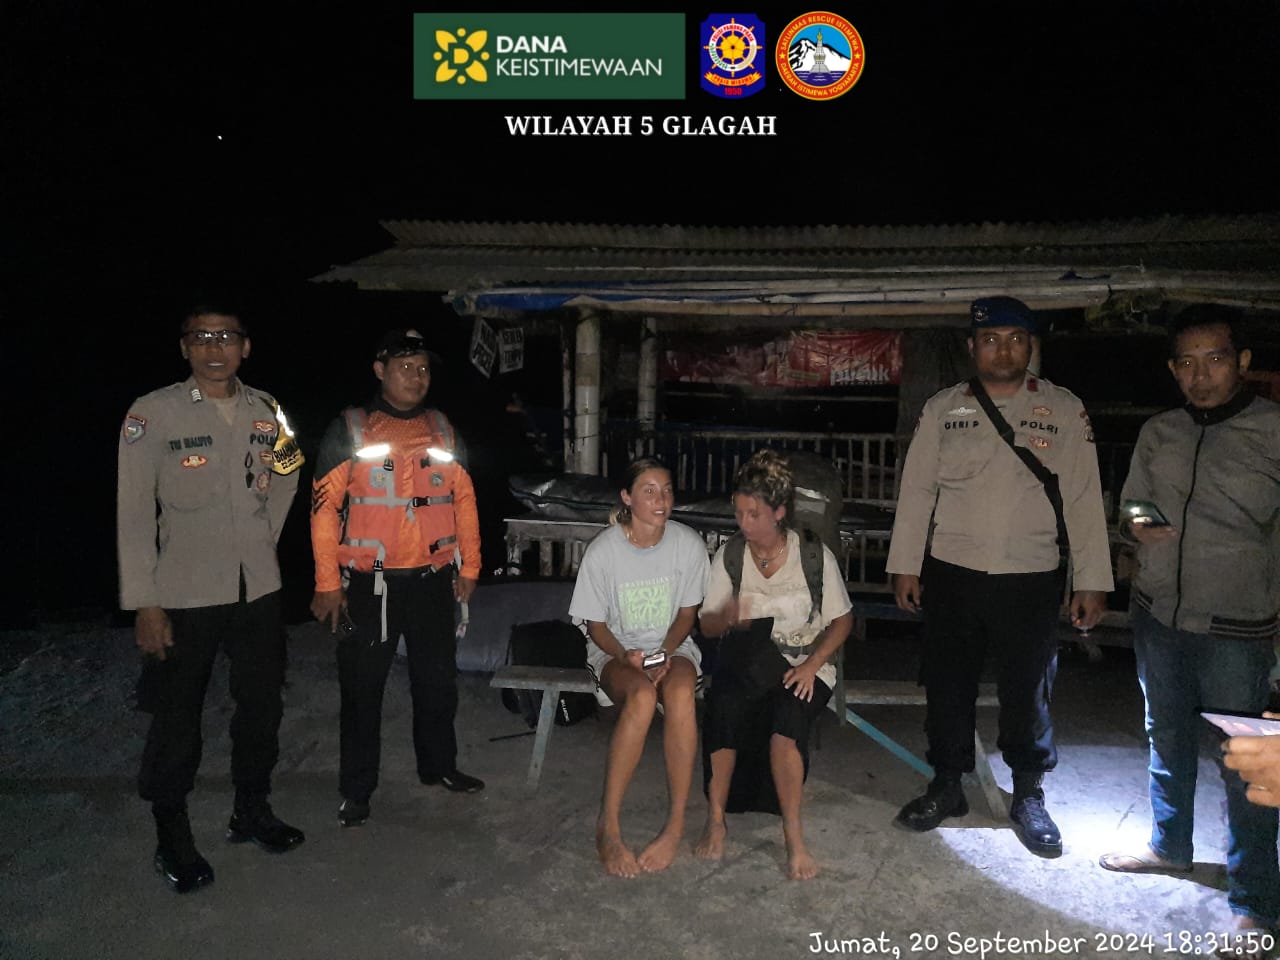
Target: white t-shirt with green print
637, 591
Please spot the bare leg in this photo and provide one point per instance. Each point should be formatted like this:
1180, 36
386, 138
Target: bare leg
788, 777
711, 844
636, 698
680, 747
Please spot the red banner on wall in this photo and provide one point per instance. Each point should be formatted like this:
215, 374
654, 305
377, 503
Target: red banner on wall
805, 358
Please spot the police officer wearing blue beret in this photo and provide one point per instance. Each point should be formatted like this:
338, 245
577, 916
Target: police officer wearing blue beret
1000, 486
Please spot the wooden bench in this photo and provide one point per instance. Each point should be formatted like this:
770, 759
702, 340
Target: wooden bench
905, 693
552, 681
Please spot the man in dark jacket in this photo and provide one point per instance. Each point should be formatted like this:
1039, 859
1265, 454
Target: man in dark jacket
1206, 598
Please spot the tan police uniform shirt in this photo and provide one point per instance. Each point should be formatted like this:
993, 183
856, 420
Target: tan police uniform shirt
987, 510
199, 499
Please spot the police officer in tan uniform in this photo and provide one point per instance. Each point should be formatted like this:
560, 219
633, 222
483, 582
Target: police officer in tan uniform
977, 546
207, 470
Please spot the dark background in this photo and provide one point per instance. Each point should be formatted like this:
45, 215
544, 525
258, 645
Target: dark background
150, 151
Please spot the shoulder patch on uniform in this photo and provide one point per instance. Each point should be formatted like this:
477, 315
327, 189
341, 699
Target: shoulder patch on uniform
134, 428
286, 453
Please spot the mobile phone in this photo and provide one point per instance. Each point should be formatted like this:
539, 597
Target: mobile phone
1243, 725
1145, 512
655, 659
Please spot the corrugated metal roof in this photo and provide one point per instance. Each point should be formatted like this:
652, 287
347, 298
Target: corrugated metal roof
1216, 257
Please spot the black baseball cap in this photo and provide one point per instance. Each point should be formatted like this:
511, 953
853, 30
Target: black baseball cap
405, 342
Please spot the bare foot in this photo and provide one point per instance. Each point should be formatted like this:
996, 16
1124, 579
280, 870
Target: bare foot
710, 845
660, 851
800, 865
617, 859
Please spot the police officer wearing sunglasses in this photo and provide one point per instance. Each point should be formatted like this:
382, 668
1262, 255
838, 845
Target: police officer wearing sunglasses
207, 470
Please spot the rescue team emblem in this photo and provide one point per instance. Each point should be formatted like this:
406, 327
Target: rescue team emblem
1041, 411
819, 55
134, 428
194, 461
264, 426
732, 62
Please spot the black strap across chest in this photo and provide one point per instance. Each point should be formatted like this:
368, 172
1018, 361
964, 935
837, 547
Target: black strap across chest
1047, 477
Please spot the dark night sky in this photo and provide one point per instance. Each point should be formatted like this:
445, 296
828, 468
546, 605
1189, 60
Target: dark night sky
147, 153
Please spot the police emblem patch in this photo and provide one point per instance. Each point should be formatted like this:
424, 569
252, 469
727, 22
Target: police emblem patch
378, 478
961, 411
731, 58
194, 461
134, 427
1040, 443
264, 426
1041, 411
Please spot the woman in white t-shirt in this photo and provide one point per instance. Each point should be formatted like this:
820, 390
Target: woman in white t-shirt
739, 715
638, 591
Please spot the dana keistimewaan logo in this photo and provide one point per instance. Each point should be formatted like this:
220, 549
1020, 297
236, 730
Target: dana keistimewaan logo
463, 58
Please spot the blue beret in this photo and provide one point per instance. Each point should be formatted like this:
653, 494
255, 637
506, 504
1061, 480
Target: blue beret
1002, 312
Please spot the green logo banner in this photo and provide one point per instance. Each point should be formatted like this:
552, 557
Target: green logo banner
548, 56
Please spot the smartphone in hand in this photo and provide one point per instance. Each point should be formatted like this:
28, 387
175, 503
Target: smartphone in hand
1144, 512
655, 659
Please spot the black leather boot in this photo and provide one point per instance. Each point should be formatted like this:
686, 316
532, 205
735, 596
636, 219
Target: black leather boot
944, 798
177, 858
1031, 820
254, 820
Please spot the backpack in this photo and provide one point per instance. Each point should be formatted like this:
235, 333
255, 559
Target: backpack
819, 499
548, 643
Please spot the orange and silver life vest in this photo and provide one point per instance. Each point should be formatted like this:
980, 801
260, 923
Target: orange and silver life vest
399, 492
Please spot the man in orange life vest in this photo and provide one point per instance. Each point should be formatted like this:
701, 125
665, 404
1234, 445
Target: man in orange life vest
392, 504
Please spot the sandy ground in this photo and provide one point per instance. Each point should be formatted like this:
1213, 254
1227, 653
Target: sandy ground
513, 875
